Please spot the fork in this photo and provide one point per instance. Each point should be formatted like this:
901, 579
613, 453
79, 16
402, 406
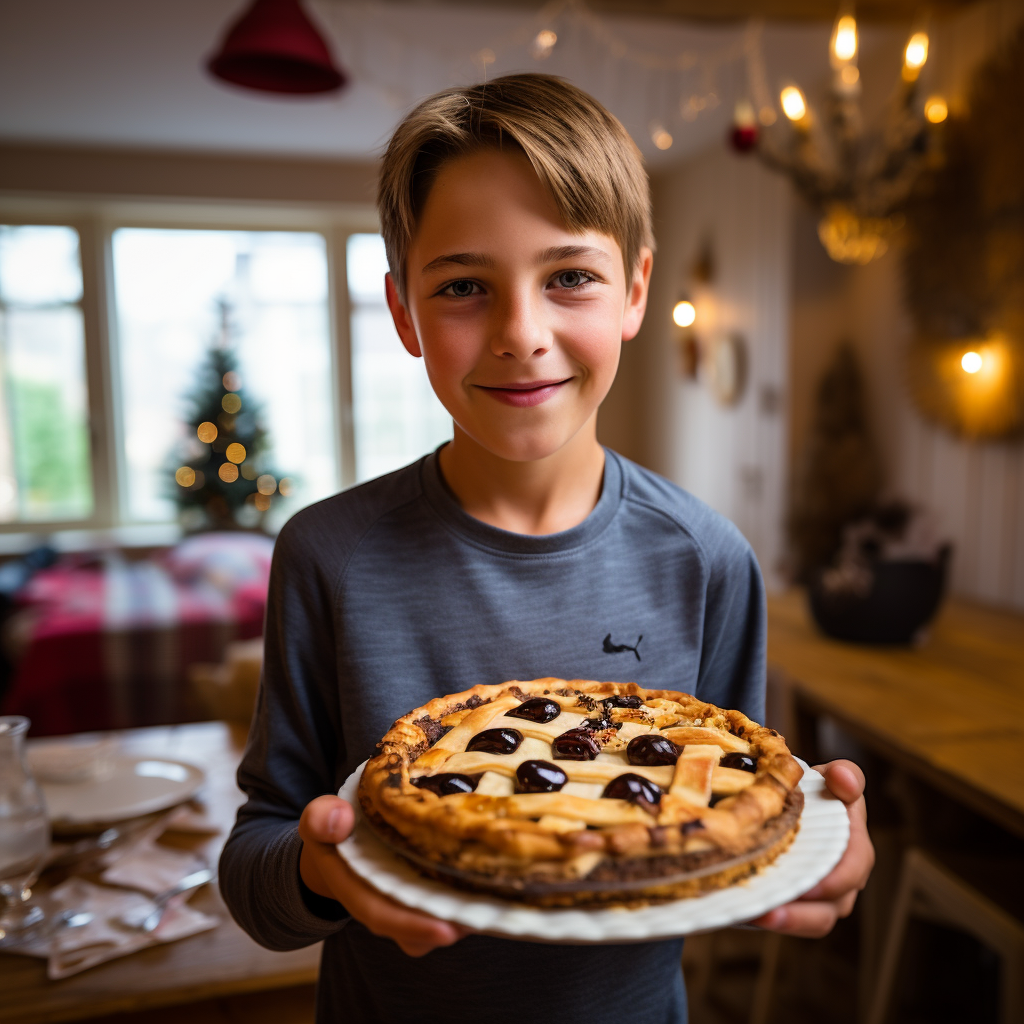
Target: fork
151, 919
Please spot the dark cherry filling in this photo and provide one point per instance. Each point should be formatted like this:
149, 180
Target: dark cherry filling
447, 783
575, 745
537, 709
734, 759
626, 700
634, 788
540, 777
691, 826
496, 741
652, 750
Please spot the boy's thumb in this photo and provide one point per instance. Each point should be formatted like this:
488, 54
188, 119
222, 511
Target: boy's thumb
327, 819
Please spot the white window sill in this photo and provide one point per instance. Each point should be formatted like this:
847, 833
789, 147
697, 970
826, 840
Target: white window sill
147, 535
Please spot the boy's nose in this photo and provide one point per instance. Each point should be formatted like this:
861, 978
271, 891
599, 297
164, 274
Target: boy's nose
518, 328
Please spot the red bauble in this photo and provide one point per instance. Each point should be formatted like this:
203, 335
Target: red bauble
743, 138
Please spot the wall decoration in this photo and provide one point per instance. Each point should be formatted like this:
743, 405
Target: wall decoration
964, 263
725, 366
840, 476
856, 181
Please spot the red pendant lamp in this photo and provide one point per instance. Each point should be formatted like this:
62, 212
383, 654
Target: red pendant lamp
274, 47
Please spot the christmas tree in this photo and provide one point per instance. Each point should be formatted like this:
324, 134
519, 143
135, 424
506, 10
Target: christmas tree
220, 478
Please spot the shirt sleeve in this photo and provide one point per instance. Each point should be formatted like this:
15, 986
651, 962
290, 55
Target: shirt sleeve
293, 753
733, 663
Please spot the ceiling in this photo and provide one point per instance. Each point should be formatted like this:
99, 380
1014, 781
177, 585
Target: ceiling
131, 73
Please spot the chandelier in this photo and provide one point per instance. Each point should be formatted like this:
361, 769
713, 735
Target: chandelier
854, 179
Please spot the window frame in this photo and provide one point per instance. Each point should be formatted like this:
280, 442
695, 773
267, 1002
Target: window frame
96, 221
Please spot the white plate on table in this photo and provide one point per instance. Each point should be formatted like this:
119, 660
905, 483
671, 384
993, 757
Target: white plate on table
128, 787
817, 848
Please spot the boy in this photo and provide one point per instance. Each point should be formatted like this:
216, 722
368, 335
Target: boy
517, 222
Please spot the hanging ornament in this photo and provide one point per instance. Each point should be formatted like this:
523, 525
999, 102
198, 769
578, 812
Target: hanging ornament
274, 47
743, 136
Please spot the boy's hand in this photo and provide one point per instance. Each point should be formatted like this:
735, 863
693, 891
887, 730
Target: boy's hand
328, 820
815, 913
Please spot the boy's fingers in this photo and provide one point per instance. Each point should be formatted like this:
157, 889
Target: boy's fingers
327, 819
844, 779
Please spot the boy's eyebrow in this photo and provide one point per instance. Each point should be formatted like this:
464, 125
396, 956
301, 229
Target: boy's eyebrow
555, 254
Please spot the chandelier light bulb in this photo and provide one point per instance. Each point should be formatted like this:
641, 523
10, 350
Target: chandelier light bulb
844, 38
971, 362
793, 104
661, 138
684, 313
917, 51
935, 109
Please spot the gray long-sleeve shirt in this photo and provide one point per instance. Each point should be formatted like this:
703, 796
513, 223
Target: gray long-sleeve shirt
388, 595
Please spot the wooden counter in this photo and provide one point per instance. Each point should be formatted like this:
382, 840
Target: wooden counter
950, 710
221, 962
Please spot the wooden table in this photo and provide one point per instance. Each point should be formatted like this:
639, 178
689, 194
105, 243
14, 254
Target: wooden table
950, 711
220, 962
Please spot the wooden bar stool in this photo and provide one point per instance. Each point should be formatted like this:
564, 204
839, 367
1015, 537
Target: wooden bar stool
927, 890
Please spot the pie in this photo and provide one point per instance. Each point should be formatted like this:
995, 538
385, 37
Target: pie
577, 793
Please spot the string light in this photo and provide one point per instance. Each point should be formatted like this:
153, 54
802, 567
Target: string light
235, 452
231, 381
262, 502
231, 403
794, 106
684, 313
850, 74
266, 484
206, 432
661, 138
284, 487
228, 472
935, 109
971, 362
543, 44
185, 476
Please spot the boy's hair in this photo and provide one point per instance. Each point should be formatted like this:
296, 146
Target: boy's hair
581, 153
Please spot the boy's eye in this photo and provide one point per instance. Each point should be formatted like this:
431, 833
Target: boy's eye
573, 278
461, 289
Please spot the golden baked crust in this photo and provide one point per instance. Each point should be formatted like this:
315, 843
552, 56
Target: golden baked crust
707, 827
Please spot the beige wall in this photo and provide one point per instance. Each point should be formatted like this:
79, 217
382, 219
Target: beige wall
731, 457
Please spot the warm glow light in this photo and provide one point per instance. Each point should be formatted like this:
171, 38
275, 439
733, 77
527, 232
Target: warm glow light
228, 472
844, 38
262, 502
231, 381
231, 403
200, 481
662, 139
544, 43
206, 432
186, 476
935, 109
235, 452
916, 52
266, 484
766, 115
971, 362
850, 74
249, 471
486, 56
793, 104
684, 313
285, 487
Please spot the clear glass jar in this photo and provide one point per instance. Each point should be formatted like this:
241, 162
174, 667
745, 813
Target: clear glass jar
24, 834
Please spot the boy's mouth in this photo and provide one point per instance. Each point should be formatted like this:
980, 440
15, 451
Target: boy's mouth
526, 393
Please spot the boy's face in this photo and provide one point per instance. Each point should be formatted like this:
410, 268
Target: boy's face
519, 320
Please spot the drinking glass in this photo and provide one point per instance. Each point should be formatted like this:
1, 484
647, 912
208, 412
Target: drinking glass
24, 835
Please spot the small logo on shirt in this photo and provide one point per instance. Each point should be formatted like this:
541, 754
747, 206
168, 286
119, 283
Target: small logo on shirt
610, 648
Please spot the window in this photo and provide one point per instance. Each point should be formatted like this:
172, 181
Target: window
396, 414
45, 472
107, 315
263, 295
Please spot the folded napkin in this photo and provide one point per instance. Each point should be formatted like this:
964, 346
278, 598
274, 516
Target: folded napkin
142, 863
105, 937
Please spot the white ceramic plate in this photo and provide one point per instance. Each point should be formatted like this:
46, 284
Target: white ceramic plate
820, 843
127, 788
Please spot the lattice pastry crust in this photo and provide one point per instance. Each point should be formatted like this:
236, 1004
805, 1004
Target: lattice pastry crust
480, 817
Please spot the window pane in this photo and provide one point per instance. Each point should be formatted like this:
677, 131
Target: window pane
44, 436
263, 295
396, 414
39, 265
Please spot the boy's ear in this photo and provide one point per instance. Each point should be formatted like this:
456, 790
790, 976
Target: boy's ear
403, 322
636, 295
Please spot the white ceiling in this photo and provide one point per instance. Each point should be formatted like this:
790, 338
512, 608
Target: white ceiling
130, 73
